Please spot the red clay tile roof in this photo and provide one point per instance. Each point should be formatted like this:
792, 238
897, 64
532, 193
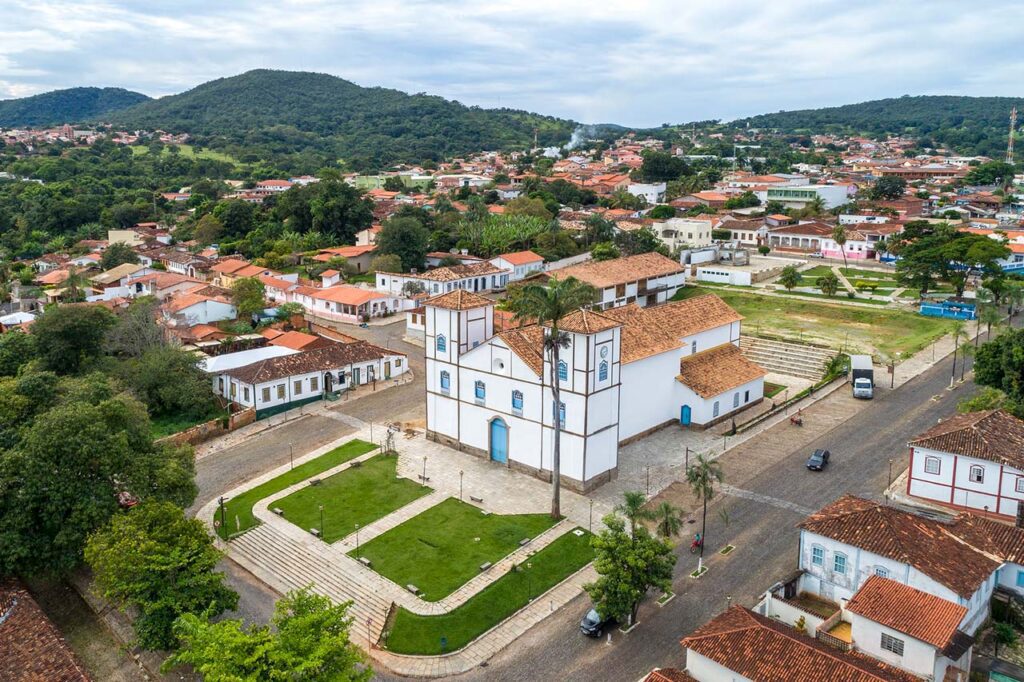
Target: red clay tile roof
716, 370
459, 299
521, 257
299, 341
527, 343
920, 615
332, 357
993, 435
584, 321
930, 546
669, 675
609, 273
764, 650
31, 647
347, 294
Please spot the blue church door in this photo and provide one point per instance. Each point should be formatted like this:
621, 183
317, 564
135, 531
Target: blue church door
684, 415
499, 441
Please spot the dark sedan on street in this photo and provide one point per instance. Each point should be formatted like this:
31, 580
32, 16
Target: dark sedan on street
818, 460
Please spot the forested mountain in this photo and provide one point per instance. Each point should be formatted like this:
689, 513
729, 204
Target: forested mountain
968, 124
65, 106
278, 112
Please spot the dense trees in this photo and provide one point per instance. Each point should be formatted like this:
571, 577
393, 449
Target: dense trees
662, 167
68, 336
999, 364
405, 238
329, 206
990, 173
116, 254
249, 296
887, 188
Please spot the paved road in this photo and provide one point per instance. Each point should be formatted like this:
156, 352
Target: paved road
760, 518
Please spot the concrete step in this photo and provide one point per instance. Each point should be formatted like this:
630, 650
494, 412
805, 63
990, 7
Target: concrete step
785, 357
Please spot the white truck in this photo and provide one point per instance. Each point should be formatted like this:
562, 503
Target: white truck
862, 376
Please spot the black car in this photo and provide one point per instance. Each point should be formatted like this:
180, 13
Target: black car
818, 460
592, 624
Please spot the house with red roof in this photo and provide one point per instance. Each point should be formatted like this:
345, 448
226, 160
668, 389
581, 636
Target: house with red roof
520, 263
345, 303
358, 257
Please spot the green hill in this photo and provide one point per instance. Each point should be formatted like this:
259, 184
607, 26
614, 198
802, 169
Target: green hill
970, 124
275, 111
72, 105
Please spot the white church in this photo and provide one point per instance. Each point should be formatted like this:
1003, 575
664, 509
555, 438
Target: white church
627, 371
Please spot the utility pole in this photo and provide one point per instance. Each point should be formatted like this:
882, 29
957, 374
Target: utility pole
1009, 142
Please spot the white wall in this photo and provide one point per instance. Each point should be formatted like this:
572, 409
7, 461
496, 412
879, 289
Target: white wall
953, 485
703, 669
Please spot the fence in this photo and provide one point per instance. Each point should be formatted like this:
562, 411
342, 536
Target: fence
211, 429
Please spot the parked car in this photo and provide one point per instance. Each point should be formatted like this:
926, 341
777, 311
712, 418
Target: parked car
593, 625
818, 460
817, 254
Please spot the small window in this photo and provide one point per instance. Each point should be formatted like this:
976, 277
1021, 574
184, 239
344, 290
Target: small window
561, 415
234, 389
715, 409
341, 377
446, 382
736, 399
297, 387
893, 644
517, 402
398, 362
881, 571
266, 395
977, 474
1019, 485
693, 347
220, 385
245, 394
280, 391
817, 556
480, 390
602, 371
746, 396
442, 344
839, 564
314, 383
932, 465
1020, 578
563, 371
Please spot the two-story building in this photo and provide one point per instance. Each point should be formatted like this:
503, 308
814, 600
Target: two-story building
645, 279
520, 264
483, 276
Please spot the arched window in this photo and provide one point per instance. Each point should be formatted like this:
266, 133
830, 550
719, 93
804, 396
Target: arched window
563, 370
932, 465
977, 474
446, 381
480, 390
517, 402
736, 399
693, 347
561, 415
442, 344
602, 371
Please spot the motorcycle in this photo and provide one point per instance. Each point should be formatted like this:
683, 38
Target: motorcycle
797, 419
696, 545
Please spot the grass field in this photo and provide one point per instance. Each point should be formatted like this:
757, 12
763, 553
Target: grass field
872, 330
443, 547
360, 495
240, 506
816, 272
841, 296
771, 390
168, 425
189, 152
414, 634
867, 274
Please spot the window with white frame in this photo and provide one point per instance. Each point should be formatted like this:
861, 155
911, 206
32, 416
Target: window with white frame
561, 415
693, 347
881, 571
714, 409
517, 402
1019, 485
446, 381
932, 465
736, 399
976, 474
297, 387
314, 383
817, 556
602, 371
893, 644
280, 391
266, 394
839, 563
480, 390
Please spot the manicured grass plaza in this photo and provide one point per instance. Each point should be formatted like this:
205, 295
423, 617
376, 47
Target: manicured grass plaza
442, 548
358, 495
875, 330
240, 506
414, 634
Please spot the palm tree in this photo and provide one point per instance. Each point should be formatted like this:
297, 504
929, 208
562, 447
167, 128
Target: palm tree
790, 277
73, 285
1014, 296
829, 284
959, 332
839, 237
989, 316
815, 206
702, 476
632, 507
548, 305
670, 520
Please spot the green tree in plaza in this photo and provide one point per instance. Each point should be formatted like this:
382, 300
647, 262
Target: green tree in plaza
790, 277
829, 284
116, 254
547, 305
405, 238
702, 476
249, 296
68, 336
628, 565
156, 560
839, 237
308, 640
669, 520
632, 509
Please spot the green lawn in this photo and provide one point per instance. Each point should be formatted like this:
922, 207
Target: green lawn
867, 274
421, 635
838, 298
363, 277
360, 495
871, 330
167, 425
240, 506
188, 151
816, 272
771, 390
443, 547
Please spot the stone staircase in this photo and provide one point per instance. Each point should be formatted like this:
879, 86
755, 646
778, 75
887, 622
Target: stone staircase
295, 567
784, 357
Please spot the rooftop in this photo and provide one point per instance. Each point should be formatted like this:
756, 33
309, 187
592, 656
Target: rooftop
716, 370
993, 435
329, 357
33, 649
609, 273
920, 615
459, 299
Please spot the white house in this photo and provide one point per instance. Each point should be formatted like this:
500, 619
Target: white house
645, 279
345, 303
189, 309
971, 461
626, 372
800, 196
289, 379
653, 193
482, 276
692, 232
520, 263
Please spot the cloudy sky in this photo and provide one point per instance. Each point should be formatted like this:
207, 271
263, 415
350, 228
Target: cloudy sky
635, 62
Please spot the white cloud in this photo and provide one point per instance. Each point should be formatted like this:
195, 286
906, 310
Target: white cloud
638, 62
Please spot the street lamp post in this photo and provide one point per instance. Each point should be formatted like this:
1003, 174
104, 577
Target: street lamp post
460, 485
357, 540
291, 455
890, 472
529, 582
223, 517
321, 522
590, 522
423, 477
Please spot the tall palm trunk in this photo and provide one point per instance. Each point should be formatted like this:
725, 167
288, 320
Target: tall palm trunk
956, 347
556, 451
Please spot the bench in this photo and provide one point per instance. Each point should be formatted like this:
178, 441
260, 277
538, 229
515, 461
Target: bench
278, 511
314, 481
365, 562
484, 566
413, 589
355, 464
423, 478
524, 541
315, 532
478, 500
